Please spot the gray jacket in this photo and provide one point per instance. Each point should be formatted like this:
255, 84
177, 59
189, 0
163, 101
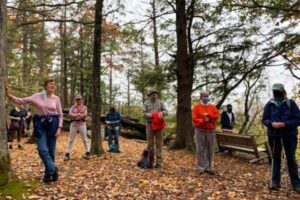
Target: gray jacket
150, 107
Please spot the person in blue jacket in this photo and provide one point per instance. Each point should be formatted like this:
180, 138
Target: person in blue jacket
282, 117
113, 120
227, 118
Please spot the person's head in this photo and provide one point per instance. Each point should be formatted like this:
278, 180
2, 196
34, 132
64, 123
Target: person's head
204, 97
19, 106
50, 86
112, 110
279, 91
153, 94
78, 99
229, 108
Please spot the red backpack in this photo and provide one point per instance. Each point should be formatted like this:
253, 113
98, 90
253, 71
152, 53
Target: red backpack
157, 123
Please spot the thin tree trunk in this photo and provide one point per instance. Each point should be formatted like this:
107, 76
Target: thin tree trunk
155, 44
96, 147
81, 62
128, 95
142, 69
41, 49
110, 81
25, 65
4, 155
64, 67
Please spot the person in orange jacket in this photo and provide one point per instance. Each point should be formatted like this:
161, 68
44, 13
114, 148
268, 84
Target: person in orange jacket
205, 116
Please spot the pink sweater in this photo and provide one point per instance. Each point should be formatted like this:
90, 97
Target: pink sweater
44, 105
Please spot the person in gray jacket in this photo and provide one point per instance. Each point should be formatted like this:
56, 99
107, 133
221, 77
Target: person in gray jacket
154, 137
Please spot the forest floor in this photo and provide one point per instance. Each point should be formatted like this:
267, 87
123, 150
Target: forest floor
116, 176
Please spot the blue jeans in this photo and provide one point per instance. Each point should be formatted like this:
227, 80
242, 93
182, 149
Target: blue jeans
46, 147
290, 145
113, 134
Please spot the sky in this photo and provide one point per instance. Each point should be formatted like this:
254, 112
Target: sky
278, 74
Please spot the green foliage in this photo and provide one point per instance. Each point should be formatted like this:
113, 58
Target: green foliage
17, 189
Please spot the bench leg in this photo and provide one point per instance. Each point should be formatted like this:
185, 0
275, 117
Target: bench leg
255, 160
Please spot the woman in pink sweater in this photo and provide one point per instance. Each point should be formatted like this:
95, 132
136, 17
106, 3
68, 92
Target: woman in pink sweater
47, 125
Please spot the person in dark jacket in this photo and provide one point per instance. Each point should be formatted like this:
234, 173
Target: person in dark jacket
228, 118
282, 117
113, 120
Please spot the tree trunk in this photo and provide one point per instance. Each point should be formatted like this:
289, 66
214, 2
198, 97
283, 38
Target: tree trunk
155, 43
96, 147
110, 81
41, 49
184, 81
81, 62
64, 67
4, 155
25, 65
128, 94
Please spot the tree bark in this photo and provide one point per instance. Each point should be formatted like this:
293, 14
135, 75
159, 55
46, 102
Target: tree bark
96, 147
155, 43
4, 155
64, 63
25, 59
184, 75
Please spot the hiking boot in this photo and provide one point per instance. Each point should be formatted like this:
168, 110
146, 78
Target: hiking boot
10, 146
67, 157
55, 175
20, 147
274, 186
158, 166
47, 179
211, 172
87, 156
297, 189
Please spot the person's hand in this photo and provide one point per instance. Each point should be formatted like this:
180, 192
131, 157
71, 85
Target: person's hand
58, 132
8, 90
148, 115
160, 115
276, 125
206, 117
281, 124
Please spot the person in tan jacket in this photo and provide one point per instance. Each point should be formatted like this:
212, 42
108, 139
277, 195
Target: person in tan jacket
154, 138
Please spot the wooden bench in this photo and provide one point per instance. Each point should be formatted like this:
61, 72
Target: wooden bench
244, 143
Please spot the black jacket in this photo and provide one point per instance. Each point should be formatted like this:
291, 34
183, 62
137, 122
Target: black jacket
225, 121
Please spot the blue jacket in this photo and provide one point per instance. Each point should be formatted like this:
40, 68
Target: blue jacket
113, 117
225, 121
288, 112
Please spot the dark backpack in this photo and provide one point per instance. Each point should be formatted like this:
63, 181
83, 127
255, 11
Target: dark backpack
147, 159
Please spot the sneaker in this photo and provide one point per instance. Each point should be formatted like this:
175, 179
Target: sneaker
67, 157
55, 175
274, 186
10, 146
87, 156
47, 179
20, 147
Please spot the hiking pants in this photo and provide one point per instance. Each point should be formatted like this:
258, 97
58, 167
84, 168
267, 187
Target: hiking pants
155, 142
205, 149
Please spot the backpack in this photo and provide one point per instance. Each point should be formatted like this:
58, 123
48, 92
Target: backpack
147, 159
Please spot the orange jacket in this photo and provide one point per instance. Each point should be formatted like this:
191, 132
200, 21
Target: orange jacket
198, 116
